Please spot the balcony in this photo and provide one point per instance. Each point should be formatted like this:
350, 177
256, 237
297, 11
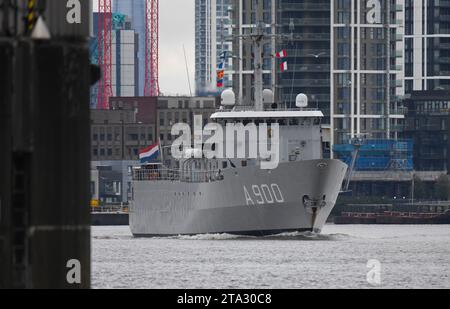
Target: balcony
310, 68
432, 127
309, 53
430, 141
431, 156
399, 111
445, 60
312, 37
306, 82
306, 21
304, 7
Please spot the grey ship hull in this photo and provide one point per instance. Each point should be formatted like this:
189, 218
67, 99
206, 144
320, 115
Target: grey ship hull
248, 201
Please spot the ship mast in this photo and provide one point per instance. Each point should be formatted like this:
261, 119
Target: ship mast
257, 38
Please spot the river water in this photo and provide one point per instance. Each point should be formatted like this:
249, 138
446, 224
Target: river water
405, 257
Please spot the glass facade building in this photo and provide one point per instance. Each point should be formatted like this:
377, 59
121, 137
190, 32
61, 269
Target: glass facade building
135, 10
367, 69
309, 52
124, 62
428, 124
427, 50
212, 27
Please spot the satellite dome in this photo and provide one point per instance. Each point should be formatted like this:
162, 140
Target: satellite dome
268, 97
228, 97
301, 100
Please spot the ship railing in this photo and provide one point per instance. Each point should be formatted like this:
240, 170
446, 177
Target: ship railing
178, 176
249, 108
118, 208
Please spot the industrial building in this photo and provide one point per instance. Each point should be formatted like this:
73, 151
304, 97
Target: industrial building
117, 135
111, 181
132, 124
172, 110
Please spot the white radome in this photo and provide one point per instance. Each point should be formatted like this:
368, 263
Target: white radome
301, 100
268, 96
228, 97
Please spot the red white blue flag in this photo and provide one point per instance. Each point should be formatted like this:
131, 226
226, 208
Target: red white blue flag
149, 154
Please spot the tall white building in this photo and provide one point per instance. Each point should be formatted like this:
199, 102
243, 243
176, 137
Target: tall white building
212, 27
427, 54
367, 69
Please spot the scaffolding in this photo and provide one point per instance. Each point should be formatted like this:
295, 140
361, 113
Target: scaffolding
378, 155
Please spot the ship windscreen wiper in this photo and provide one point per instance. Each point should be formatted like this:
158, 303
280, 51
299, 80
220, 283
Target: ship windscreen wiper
232, 164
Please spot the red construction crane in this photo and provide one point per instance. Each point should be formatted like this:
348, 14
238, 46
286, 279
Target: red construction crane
151, 87
104, 37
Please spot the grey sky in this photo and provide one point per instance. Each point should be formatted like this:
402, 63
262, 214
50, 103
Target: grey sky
177, 22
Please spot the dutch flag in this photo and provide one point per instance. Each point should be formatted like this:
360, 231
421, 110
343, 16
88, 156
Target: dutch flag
149, 154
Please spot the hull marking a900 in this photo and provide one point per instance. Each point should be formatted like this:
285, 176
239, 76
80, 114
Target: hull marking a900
263, 194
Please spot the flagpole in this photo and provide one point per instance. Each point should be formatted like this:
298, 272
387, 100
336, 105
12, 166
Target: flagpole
162, 151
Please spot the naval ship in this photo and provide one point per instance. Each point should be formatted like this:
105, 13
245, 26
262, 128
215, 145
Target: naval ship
238, 196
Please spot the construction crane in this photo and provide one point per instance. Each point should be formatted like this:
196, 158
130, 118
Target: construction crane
151, 87
104, 37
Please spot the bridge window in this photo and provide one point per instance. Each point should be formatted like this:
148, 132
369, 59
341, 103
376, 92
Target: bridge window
293, 122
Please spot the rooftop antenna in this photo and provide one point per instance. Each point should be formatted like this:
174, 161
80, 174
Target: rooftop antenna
187, 70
